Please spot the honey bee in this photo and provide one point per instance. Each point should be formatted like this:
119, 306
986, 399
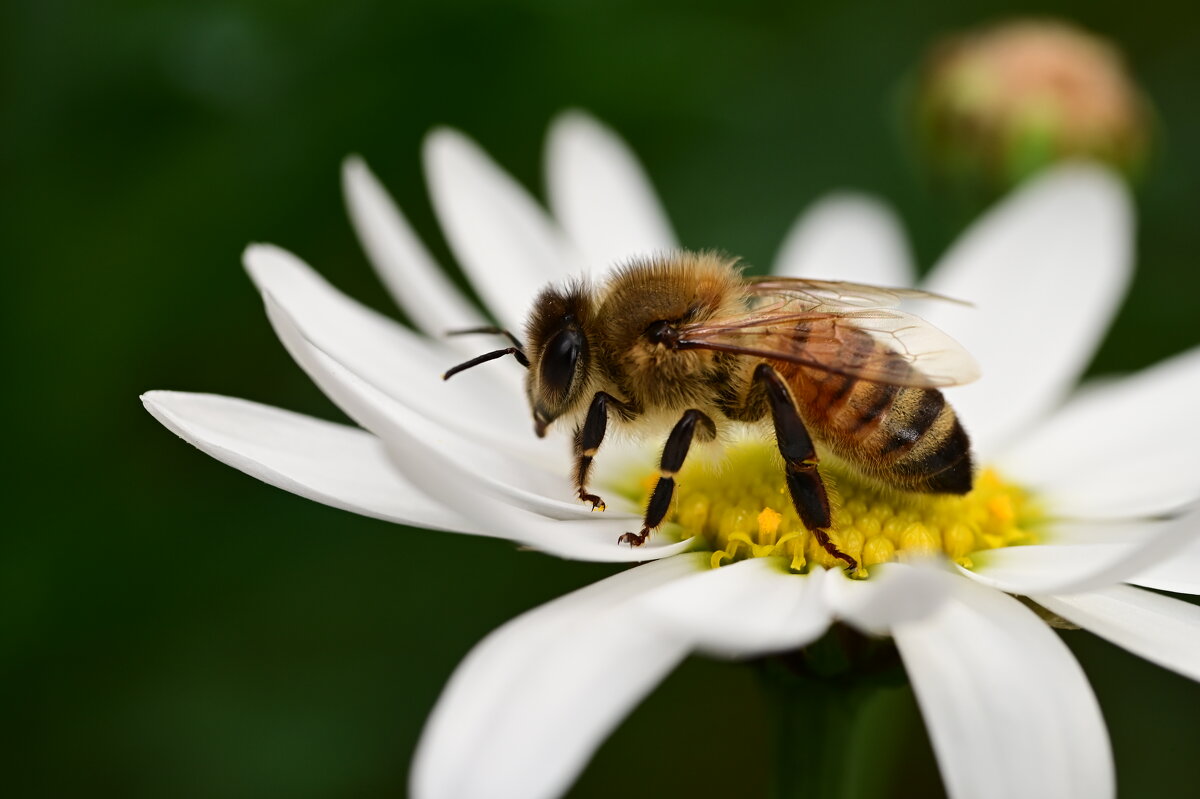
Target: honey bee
687, 339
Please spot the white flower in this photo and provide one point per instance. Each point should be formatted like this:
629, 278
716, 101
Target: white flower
1009, 711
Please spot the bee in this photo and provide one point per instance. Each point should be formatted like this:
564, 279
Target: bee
686, 340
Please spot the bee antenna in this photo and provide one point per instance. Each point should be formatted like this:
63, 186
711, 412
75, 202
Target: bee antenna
491, 356
490, 329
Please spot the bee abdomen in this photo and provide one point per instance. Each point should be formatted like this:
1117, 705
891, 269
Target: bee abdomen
906, 437
923, 445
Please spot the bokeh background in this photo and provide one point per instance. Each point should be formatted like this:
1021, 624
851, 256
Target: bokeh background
172, 627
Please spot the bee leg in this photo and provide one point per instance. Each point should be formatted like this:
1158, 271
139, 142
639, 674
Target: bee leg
588, 437
800, 461
673, 456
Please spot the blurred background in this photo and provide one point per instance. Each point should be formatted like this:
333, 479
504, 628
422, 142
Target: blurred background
172, 627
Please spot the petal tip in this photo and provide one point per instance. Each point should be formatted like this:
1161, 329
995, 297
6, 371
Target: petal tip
264, 261
153, 399
362, 191
574, 120
355, 172
159, 405
443, 141
1085, 180
258, 254
855, 200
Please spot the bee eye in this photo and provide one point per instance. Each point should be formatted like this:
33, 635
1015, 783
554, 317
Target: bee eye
662, 333
559, 359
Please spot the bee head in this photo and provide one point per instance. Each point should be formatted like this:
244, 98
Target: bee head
559, 353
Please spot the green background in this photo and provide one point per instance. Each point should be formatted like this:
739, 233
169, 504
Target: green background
174, 628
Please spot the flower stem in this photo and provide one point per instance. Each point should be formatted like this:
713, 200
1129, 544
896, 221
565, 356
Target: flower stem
841, 709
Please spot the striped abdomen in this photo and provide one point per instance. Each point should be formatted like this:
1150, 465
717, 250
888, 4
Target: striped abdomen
906, 437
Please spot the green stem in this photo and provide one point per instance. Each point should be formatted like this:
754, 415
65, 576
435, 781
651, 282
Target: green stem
840, 720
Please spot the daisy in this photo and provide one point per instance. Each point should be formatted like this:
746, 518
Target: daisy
1083, 495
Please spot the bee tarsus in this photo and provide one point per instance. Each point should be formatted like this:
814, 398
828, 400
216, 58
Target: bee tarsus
828, 545
634, 539
597, 502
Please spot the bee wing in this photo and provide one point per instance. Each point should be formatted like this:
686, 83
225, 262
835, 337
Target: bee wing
802, 294
913, 352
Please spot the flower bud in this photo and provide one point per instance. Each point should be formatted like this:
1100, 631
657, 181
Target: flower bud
997, 104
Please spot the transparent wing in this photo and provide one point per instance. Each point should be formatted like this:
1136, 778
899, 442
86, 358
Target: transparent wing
801, 294
885, 346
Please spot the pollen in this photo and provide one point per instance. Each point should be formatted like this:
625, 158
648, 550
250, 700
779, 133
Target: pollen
739, 506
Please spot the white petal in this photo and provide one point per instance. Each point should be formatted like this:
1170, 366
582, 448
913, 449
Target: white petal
504, 241
1158, 628
415, 280
1121, 550
527, 707
473, 468
529, 474
896, 593
600, 194
1008, 709
1047, 269
847, 236
518, 501
746, 609
520, 515
1179, 573
1119, 448
486, 405
331, 463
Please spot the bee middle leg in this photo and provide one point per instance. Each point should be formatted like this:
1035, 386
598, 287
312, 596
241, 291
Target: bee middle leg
691, 424
800, 461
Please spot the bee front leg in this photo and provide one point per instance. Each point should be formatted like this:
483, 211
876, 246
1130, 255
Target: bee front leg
674, 453
800, 461
589, 436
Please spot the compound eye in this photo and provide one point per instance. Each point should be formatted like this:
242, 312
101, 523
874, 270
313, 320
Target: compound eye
663, 332
559, 359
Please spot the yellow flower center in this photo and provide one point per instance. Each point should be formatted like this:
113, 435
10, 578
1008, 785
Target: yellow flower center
740, 506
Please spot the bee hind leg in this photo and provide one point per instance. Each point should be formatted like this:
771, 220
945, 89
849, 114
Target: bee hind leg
691, 424
800, 462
